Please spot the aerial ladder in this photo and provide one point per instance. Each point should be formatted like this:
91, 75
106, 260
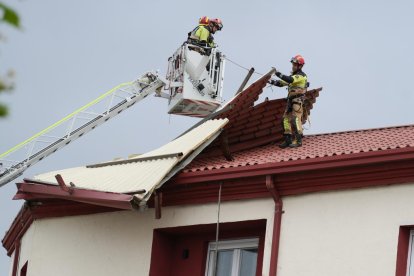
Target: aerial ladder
194, 82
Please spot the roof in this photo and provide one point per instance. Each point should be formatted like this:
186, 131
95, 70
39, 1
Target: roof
247, 153
314, 147
253, 125
127, 182
239, 152
140, 175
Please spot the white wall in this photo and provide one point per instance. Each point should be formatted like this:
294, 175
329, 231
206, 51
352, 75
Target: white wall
345, 233
11, 264
120, 243
26, 246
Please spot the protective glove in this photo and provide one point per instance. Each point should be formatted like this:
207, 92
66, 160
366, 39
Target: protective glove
273, 82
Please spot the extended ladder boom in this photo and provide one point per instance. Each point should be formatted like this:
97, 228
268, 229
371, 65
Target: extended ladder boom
16, 160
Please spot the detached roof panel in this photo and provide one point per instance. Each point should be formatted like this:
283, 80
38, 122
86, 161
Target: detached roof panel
122, 178
142, 173
191, 140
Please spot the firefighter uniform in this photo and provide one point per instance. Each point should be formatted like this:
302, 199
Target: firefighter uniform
297, 83
202, 35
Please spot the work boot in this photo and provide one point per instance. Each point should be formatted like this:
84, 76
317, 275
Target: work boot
287, 142
297, 142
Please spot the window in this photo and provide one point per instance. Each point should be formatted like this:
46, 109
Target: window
410, 260
183, 250
234, 258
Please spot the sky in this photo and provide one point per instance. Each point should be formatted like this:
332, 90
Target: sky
67, 53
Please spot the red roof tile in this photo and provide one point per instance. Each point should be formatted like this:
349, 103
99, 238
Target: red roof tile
246, 98
250, 131
314, 146
254, 125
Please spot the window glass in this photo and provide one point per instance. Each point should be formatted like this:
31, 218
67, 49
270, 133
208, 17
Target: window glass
224, 262
234, 257
248, 262
410, 261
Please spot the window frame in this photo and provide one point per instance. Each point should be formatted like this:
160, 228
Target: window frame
410, 257
236, 245
23, 270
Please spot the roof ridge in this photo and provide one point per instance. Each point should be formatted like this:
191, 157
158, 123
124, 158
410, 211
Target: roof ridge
360, 130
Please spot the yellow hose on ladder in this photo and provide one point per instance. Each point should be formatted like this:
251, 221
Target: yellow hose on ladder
65, 119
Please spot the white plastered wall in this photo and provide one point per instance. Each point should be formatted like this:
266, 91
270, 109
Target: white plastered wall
11, 264
344, 233
26, 246
25, 250
119, 243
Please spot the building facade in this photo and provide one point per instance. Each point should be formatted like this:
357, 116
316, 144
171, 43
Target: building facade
231, 204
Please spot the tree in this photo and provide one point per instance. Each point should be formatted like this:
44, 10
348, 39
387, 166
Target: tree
9, 17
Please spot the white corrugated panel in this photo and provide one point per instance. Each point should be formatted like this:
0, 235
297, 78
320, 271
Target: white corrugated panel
190, 140
135, 174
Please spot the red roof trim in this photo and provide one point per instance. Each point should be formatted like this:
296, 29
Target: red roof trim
363, 130
295, 166
31, 191
398, 171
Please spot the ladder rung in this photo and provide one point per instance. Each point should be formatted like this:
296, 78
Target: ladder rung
130, 93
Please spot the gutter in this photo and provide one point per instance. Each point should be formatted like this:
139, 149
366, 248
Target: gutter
301, 165
277, 222
30, 191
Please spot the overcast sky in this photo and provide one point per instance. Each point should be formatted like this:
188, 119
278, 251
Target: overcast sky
70, 52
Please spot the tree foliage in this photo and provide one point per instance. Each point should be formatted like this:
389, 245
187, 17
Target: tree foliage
10, 17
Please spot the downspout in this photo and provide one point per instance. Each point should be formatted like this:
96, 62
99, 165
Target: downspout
277, 221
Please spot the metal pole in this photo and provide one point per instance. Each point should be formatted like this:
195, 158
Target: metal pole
246, 79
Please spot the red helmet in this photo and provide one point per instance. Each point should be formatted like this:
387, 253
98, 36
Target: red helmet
203, 20
217, 22
298, 59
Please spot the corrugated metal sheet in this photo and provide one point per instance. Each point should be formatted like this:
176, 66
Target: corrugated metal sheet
190, 140
139, 173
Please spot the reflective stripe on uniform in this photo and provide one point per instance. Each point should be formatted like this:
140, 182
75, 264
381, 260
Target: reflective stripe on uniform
286, 126
299, 82
201, 34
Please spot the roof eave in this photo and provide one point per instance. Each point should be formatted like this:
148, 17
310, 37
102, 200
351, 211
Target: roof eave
37, 191
302, 165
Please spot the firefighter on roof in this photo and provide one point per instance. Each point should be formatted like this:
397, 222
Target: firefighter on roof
297, 83
202, 35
